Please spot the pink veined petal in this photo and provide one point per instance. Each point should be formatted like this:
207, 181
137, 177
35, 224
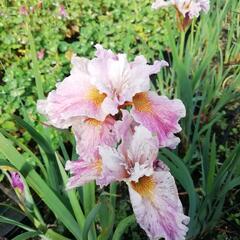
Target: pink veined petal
158, 208
92, 133
143, 148
120, 79
125, 128
162, 3
82, 172
104, 53
205, 5
160, 116
74, 97
113, 166
192, 8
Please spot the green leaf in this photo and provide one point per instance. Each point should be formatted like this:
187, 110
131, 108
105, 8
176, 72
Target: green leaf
51, 165
41, 188
72, 196
90, 220
122, 226
26, 235
15, 223
106, 216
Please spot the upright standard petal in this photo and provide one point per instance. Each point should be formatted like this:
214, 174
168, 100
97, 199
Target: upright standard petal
113, 166
162, 3
188, 8
160, 116
91, 133
143, 148
74, 97
120, 79
157, 206
125, 128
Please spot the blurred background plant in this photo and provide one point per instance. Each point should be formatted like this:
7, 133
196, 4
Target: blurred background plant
38, 39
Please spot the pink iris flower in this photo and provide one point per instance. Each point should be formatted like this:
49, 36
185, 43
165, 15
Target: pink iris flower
119, 125
17, 181
100, 87
190, 8
152, 188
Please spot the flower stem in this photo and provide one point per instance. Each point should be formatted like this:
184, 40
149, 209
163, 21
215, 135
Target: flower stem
182, 41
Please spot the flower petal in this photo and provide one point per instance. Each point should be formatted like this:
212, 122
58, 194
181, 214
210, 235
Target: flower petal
125, 128
120, 79
144, 147
162, 3
113, 166
157, 207
74, 97
91, 133
159, 115
83, 172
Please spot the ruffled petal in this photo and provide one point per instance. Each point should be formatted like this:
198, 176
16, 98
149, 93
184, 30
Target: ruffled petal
113, 166
120, 79
74, 97
205, 5
92, 133
125, 128
162, 3
82, 172
157, 207
159, 115
144, 147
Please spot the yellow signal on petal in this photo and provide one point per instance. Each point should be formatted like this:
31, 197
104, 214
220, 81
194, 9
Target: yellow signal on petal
145, 186
95, 96
142, 103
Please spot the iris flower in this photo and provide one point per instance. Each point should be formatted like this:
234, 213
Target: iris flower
186, 9
98, 89
152, 189
119, 125
190, 8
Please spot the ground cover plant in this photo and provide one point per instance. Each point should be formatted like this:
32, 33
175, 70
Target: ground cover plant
79, 103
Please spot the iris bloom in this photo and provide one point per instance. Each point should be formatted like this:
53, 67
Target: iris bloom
192, 8
153, 192
17, 182
186, 9
99, 88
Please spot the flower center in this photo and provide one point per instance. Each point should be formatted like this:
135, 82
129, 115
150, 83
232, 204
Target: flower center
141, 102
144, 186
93, 122
98, 166
95, 96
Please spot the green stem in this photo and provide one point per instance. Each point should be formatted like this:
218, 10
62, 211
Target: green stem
88, 203
113, 190
182, 40
35, 66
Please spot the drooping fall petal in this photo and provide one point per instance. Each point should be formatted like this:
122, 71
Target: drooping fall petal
91, 133
160, 116
157, 206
